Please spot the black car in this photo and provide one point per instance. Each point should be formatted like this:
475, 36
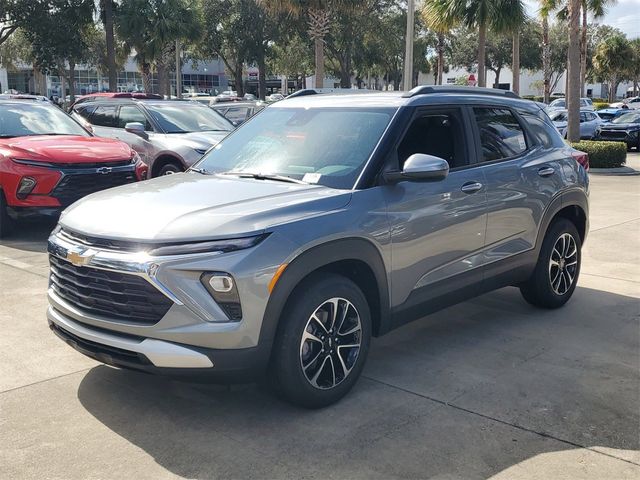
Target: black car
625, 128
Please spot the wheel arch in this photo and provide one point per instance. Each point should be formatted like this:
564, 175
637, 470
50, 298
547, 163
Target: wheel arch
163, 159
572, 205
354, 258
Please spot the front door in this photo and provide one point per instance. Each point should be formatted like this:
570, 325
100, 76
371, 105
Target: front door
437, 227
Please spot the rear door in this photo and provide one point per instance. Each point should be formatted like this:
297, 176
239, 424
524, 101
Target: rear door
522, 176
104, 121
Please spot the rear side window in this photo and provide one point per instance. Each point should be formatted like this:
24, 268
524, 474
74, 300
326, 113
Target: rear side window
541, 130
501, 135
84, 110
104, 116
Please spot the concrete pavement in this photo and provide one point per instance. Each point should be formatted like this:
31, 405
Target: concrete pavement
491, 388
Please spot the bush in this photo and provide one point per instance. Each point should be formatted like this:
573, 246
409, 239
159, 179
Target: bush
600, 105
599, 100
534, 98
603, 154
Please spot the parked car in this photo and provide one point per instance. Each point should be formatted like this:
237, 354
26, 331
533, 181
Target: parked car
607, 114
275, 97
628, 103
589, 121
625, 128
561, 104
238, 112
109, 95
325, 220
169, 135
48, 161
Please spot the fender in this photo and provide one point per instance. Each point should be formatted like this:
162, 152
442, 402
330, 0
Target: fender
571, 197
315, 258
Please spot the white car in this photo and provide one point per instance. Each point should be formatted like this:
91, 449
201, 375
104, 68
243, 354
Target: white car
589, 122
632, 102
561, 104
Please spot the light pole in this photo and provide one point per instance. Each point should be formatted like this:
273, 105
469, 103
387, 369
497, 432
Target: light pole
407, 79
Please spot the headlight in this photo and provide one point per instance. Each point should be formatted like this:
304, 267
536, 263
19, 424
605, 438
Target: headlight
634, 133
221, 246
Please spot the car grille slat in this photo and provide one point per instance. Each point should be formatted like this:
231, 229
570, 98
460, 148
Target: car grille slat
116, 296
73, 187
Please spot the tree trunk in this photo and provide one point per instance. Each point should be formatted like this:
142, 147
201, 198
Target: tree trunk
583, 53
515, 63
319, 53
496, 83
546, 59
161, 70
440, 49
72, 82
262, 77
145, 73
573, 72
613, 88
482, 43
111, 51
237, 75
63, 88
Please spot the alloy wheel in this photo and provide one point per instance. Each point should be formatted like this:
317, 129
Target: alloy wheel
563, 264
331, 343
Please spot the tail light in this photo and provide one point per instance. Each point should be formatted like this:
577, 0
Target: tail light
582, 158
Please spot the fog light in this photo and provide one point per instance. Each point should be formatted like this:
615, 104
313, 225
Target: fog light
222, 288
26, 186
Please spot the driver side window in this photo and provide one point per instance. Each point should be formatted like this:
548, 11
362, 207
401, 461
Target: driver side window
434, 133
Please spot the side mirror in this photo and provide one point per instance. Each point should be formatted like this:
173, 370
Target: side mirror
137, 129
420, 167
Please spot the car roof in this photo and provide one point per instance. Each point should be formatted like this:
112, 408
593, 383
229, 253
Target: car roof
425, 95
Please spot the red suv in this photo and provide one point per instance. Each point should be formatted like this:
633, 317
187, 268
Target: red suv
48, 161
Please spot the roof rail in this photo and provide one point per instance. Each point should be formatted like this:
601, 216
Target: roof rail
429, 89
334, 91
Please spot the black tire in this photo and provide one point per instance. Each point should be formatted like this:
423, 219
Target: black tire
169, 169
540, 290
6, 223
289, 351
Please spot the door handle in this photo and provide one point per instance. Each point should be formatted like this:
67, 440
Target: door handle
471, 187
546, 171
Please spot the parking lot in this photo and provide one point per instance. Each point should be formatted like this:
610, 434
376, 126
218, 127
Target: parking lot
489, 388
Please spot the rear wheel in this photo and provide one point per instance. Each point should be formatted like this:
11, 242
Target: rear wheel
322, 343
556, 274
6, 223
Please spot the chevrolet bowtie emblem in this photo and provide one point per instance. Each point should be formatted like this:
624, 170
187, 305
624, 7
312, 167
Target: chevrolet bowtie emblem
79, 259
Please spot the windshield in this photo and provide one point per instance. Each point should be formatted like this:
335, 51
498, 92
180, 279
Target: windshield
559, 116
558, 103
186, 117
30, 118
630, 117
327, 146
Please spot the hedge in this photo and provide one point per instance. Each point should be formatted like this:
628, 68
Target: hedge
600, 105
603, 154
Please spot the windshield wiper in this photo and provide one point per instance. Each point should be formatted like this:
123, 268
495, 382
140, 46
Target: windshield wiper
199, 170
264, 176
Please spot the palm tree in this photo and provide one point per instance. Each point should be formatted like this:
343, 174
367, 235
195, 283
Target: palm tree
318, 15
513, 18
598, 9
573, 71
151, 27
634, 66
431, 15
478, 14
106, 15
546, 51
613, 61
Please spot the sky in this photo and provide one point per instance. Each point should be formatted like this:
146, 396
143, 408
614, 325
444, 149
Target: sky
625, 15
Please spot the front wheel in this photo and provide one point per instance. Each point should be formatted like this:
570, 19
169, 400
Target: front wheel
322, 342
556, 274
6, 224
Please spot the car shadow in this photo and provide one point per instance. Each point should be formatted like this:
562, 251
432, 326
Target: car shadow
30, 236
467, 392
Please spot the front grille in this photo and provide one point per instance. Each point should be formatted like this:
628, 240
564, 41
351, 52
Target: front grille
613, 134
116, 296
73, 187
104, 243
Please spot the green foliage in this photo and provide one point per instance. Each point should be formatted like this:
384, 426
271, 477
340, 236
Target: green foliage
600, 105
603, 154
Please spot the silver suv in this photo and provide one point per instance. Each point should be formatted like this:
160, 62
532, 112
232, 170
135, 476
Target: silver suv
323, 221
169, 136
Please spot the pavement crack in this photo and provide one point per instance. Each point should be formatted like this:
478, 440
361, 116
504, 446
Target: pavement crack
23, 267
614, 225
45, 380
498, 420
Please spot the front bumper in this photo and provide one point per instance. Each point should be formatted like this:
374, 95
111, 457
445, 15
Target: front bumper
157, 356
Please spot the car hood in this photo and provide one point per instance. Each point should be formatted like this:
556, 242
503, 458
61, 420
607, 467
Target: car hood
198, 139
191, 206
67, 149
